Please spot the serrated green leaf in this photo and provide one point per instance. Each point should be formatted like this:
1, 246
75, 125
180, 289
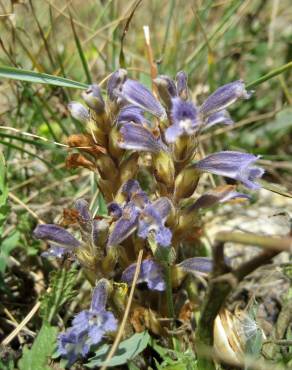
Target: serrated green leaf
127, 350
37, 357
62, 289
40, 78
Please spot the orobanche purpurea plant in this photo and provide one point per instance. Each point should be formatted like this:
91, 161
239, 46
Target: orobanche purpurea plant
150, 165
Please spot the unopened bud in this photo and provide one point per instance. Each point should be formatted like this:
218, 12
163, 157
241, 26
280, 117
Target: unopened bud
182, 85
166, 89
129, 168
94, 99
164, 168
78, 111
186, 183
114, 82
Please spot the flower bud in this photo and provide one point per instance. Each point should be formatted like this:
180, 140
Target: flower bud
166, 89
93, 98
129, 168
107, 168
186, 183
113, 143
78, 111
164, 168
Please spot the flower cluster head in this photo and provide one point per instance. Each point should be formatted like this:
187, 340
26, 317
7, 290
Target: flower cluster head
144, 153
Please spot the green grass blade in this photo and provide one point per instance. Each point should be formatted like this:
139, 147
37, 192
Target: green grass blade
274, 72
41, 78
81, 53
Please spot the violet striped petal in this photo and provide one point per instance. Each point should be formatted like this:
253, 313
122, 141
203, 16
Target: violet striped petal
150, 272
56, 234
131, 113
124, 226
197, 264
236, 165
221, 117
218, 195
99, 295
137, 137
223, 97
137, 94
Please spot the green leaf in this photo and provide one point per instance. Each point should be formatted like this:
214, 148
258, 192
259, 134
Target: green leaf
41, 78
127, 350
7, 245
37, 357
62, 289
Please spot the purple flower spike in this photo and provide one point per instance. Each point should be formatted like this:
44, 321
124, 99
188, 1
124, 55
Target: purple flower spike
224, 96
217, 118
202, 265
125, 225
137, 137
57, 235
150, 273
152, 219
88, 327
131, 113
137, 94
184, 117
236, 165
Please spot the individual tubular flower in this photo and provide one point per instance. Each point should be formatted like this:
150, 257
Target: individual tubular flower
223, 97
135, 93
222, 117
217, 195
202, 265
60, 240
137, 137
184, 118
78, 111
131, 113
152, 219
88, 326
236, 165
150, 272
124, 226
93, 98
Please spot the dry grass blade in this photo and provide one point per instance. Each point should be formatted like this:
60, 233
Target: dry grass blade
127, 310
23, 323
